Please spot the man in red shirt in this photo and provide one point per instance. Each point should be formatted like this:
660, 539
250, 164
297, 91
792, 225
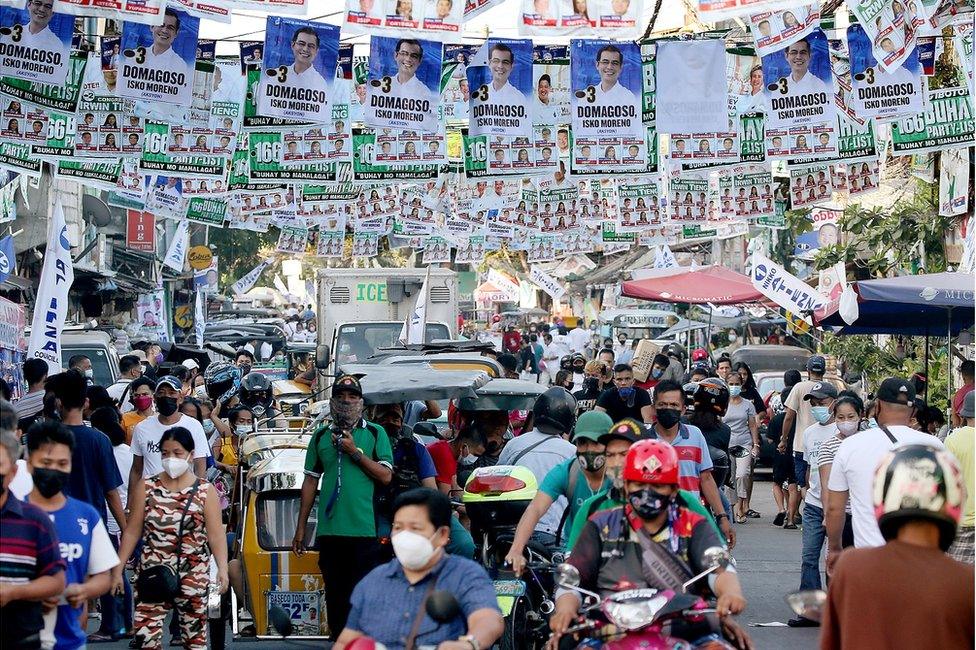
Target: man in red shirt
511, 340
967, 371
466, 446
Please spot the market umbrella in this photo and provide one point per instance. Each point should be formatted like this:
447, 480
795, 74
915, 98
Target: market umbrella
706, 284
934, 304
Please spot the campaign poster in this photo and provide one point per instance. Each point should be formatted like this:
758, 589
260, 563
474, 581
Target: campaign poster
688, 195
810, 184
156, 157
878, 93
710, 11
613, 19
148, 12
774, 30
455, 93
745, 79
605, 156
891, 25
292, 239
500, 82
158, 61
550, 84
403, 87
813, 141
35, 43
862, 177
692, 87
954, 182
962, 42
299, 69
799, 83
649, 96
471, 250
606, 89
946, 123
722, 148
747, 193
365, 244
404, 17
638, 204
436, 251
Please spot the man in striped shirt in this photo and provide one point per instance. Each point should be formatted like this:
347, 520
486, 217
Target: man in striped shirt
694, 461
31, 567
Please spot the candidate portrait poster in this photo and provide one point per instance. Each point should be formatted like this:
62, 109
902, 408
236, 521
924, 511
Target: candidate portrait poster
799, 83
500, 83
692, 87
35, 43
774, 30
158, 61
298, 69
550, 85
403, 87
891, 25
404, 17
878, 93
608, 18
606, 86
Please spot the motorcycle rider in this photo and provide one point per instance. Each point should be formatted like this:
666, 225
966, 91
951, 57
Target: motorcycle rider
652, 541
256, 394
595, 373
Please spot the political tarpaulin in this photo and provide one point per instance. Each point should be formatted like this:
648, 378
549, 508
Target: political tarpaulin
783, 288
404, 17
877, 92
158, 61
500, 82
946, 123
691, 87
799, 83
147, 12
35, 44
606, 89
617, 19
774, 30
954, 182
891, 26
403, 87
299, 67
710, 11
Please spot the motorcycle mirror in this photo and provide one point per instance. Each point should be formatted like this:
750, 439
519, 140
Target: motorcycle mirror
567, 576
426, 429
808, 603
716, 556
442, 606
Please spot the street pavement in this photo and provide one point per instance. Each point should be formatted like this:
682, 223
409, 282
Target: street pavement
768, 562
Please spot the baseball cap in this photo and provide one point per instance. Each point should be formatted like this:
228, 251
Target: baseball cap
820, 390
171, 381
591, 425
628, 429
896, 391
191, 364
348, 383
817, 364
968, 409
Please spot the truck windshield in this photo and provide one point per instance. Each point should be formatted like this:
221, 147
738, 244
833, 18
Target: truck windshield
101, 369
357, 343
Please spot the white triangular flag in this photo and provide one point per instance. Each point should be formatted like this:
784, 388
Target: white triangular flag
51, 305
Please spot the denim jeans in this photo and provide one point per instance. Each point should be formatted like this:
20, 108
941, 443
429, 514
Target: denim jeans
116, 611
814, 535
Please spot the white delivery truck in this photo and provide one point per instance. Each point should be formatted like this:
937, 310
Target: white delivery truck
362, 310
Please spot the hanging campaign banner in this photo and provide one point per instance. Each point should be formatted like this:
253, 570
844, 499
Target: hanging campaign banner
862, 177
299, 65
35, 44
500, 78
891, 26
638, 204
176, 254
51, 304
147, 12
710, 11
813, 141
140, 231
954, 182
617, 19
551, 81
151, 315
774, 30
946, 123
783, 288
799, 83
606, 89
691, 87
248, 280
810, 184
547, 283
747, 193
403, 88
158, 62
404, 17
962, 42
877, 93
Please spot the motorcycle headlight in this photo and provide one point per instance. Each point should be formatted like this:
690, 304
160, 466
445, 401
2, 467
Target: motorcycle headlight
634, 609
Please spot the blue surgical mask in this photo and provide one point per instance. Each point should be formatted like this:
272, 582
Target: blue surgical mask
735, 391
626, 392
872, 423
820, 413
656, 373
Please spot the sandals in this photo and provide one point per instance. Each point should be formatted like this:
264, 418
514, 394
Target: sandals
100, 638
752, 514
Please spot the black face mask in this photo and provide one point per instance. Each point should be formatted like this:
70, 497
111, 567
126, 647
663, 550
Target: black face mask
647, 503
49, 481
591, 461
667, 418
591, 384
245, 368
166, 406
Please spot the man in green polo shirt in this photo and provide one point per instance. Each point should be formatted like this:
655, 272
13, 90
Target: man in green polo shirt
349, 458
574, 480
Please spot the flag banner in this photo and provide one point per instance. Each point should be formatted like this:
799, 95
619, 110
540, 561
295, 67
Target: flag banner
774, 30
691, 87
500, 81
783, 288
158, 61
249, 279
547, 283
51, 305
879, 93
947, 122
176, 254
299, 65
799, 83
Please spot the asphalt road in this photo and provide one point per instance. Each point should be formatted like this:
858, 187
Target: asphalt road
769, 567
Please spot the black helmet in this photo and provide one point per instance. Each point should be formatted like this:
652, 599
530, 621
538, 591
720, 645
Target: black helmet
222, 381
712, 394
566, 362
579, 362
919, 482
256, 392
689, 390
555, 411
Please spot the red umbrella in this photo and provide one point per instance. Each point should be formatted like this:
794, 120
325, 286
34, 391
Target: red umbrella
706, 284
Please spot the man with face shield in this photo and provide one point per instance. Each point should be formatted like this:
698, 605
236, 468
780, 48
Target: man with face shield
654, 540
350, 457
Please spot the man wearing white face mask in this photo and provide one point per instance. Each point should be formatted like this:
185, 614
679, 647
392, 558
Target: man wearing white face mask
421, 528
82, 364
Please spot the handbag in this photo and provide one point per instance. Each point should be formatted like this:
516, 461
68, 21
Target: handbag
160, 583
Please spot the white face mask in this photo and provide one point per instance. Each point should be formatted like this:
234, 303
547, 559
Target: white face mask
175, 467
242, 429
413, 550
847, 427
89, 373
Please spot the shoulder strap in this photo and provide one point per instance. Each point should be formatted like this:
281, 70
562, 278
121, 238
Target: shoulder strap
186, 509
574, 472
890, 435
522, 453
376, 430
421, 612
125, 391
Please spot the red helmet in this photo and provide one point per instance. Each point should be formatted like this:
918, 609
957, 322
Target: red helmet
699, 354
654, 462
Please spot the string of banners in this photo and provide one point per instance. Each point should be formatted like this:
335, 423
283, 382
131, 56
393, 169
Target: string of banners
593, 144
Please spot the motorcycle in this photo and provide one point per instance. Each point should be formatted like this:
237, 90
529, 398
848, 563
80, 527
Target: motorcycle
644, 618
